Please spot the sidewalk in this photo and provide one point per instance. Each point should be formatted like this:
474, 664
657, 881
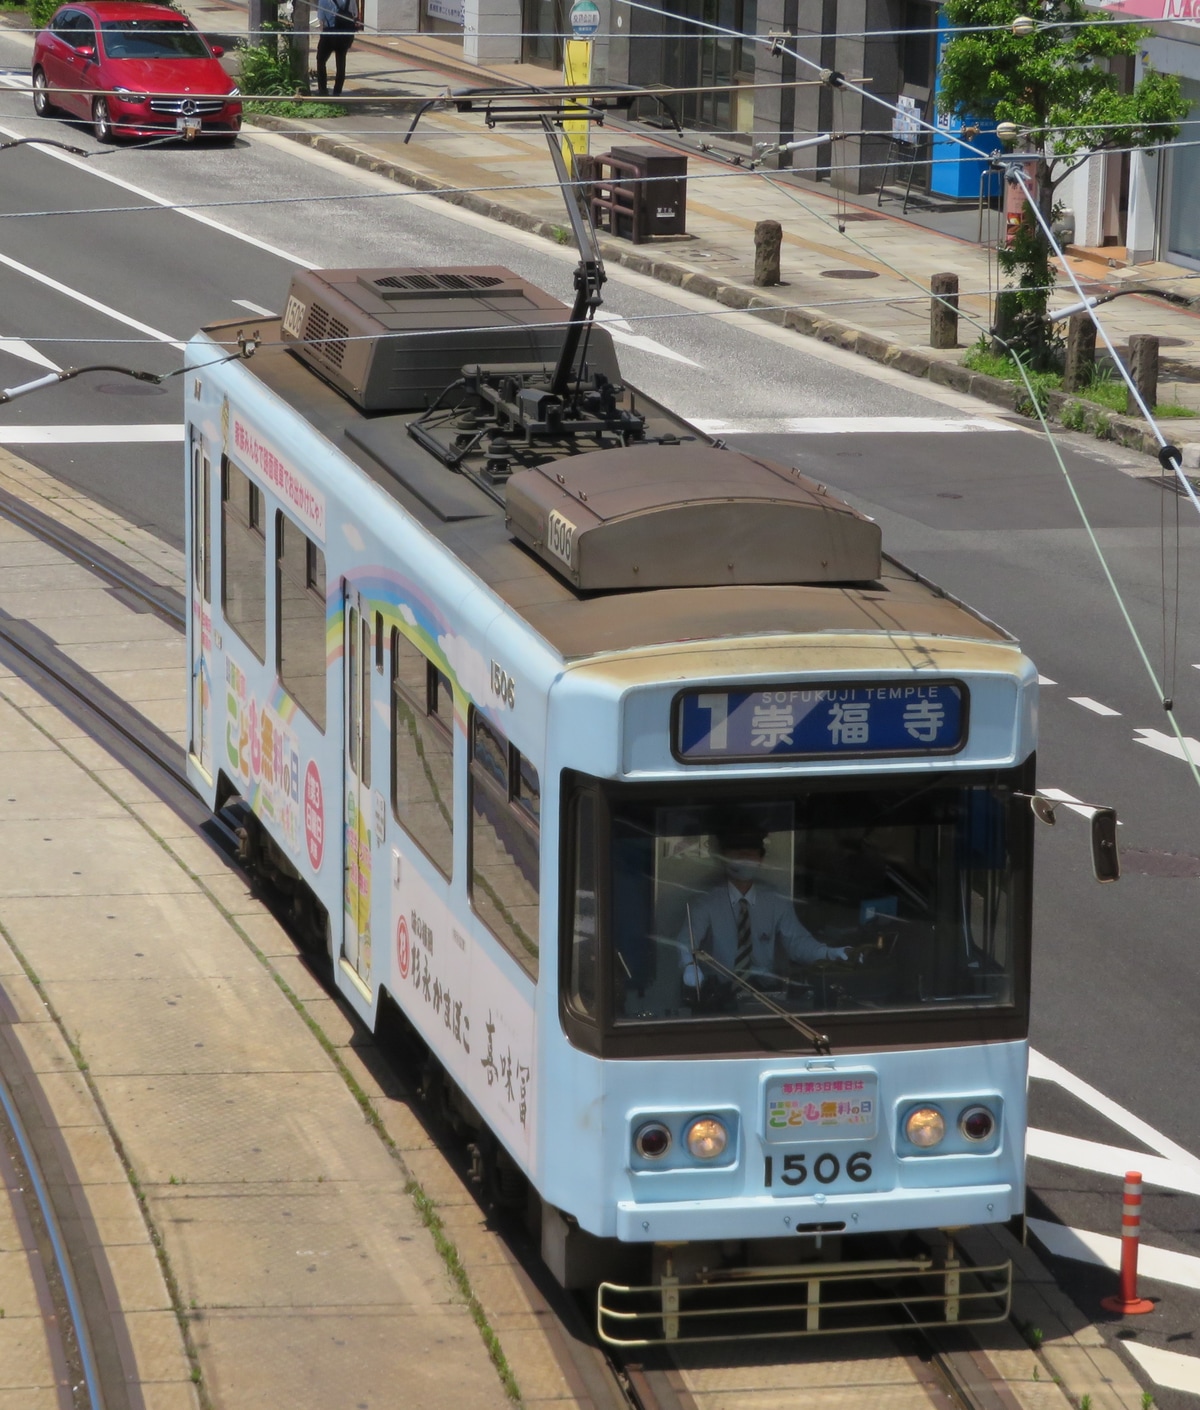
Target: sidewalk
863, 287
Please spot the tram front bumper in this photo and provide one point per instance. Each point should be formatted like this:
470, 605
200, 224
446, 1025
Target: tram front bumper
883, 1211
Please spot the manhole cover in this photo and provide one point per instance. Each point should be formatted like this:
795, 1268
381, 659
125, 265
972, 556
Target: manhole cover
849, 274
131, 389
1159, 863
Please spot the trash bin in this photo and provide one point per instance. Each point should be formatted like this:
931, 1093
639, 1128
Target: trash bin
654, 206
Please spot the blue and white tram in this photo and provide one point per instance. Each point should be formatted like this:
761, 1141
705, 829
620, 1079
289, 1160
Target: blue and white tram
502, 702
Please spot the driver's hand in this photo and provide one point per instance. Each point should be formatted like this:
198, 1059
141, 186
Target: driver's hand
841, 955
691, 975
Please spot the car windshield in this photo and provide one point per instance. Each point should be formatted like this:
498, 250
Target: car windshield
152, 39
839, 896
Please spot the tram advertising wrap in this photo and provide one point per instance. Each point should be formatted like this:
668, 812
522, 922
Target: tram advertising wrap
706, 898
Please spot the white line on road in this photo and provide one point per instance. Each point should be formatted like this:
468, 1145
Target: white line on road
1094, 705
85, 299
1045, 680
621, 331
1104, 1250
1166, 1368
1111, 1160
1168, 744
255, 308
80, 165
1047, 1070
18, 347
87, 435
847, 425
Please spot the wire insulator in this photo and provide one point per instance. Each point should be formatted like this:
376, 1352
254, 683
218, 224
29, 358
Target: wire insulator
1170, 457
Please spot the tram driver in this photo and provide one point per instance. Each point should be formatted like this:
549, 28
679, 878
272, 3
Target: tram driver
740, 922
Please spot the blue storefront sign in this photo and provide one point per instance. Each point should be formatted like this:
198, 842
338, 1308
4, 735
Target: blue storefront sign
806, 720
955, 172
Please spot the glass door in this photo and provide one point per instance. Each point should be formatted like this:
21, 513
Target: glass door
201, 652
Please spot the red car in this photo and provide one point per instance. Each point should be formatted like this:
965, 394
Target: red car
133, 70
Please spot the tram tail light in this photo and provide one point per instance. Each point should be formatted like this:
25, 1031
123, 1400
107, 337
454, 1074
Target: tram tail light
652, 1141
925, 1127
706, 1138
977, 1124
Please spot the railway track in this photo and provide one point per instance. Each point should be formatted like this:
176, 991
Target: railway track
942, 1369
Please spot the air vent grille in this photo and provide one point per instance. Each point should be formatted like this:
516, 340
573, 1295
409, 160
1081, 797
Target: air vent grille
417, 282
326, 336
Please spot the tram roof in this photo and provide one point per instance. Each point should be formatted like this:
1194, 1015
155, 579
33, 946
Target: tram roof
576, 624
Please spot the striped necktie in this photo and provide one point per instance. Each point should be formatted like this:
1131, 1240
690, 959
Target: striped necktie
745, 945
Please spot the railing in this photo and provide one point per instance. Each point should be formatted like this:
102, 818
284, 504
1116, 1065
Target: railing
759, 1303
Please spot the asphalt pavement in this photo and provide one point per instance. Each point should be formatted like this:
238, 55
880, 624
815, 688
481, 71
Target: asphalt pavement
105, 272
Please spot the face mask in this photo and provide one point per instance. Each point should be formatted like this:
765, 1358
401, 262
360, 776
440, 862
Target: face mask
742, 870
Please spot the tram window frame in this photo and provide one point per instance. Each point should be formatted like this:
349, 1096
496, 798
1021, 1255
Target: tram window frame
431, 705
580, 1019
605, 1035
201, 519
509, 804
243, 545
311, 586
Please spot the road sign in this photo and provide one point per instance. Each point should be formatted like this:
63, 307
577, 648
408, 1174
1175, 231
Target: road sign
585, 18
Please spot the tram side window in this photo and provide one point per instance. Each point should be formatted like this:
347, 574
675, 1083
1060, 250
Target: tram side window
423, 752
505, 807
300, 582
243, 558
581, 967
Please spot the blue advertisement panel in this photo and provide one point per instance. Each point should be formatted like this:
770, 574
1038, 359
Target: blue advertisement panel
806, 720
955, 172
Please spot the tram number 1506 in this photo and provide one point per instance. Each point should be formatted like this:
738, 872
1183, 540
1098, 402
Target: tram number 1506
825, 1168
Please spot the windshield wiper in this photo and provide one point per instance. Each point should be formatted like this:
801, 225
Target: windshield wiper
819, 1041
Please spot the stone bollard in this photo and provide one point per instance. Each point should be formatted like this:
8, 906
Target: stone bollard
768, 237
1081, 353
1143, 368
943, 311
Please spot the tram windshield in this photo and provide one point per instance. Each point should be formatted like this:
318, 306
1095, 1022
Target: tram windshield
836, 896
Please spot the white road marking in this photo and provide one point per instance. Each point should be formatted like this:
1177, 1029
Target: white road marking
87, 435
255, 308
1168, 744
1104, 1250
89, 302
18, 347
1045, 680
1047, 1070
848, 425
621, 331
1111, 1160
1167, 1368
1094, 705
81, 165
1068, 800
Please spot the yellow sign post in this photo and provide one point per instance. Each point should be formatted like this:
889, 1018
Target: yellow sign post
577, 73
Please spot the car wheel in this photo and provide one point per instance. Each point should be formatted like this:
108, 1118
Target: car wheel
101, 122
41, 96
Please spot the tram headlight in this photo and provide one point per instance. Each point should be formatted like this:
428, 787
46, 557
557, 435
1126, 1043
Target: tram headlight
652, 1141
706, 1138
925, 1127
977, 1123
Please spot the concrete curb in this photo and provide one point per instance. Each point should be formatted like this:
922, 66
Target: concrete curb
1125, 431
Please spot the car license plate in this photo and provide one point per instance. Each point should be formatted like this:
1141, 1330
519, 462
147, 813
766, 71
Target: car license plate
188, 126
815, 1108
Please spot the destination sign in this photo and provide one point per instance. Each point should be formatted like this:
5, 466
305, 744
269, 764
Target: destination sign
814, 720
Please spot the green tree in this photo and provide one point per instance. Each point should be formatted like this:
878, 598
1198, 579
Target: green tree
1057, 86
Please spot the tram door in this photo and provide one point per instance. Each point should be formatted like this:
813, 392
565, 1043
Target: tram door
201, 663
356, 931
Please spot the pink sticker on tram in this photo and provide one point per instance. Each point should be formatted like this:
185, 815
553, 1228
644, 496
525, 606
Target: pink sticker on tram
314, 815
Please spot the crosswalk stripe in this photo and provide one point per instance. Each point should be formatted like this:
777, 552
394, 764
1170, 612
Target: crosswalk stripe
1163, 1265
1111, 1160
849, 425
20, 435
1166, 1368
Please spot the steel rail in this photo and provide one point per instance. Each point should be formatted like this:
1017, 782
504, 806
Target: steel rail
83, 1335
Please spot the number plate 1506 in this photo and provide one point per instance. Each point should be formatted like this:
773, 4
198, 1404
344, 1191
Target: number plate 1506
810, 1171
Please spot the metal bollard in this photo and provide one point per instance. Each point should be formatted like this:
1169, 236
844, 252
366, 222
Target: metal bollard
1127, 1302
